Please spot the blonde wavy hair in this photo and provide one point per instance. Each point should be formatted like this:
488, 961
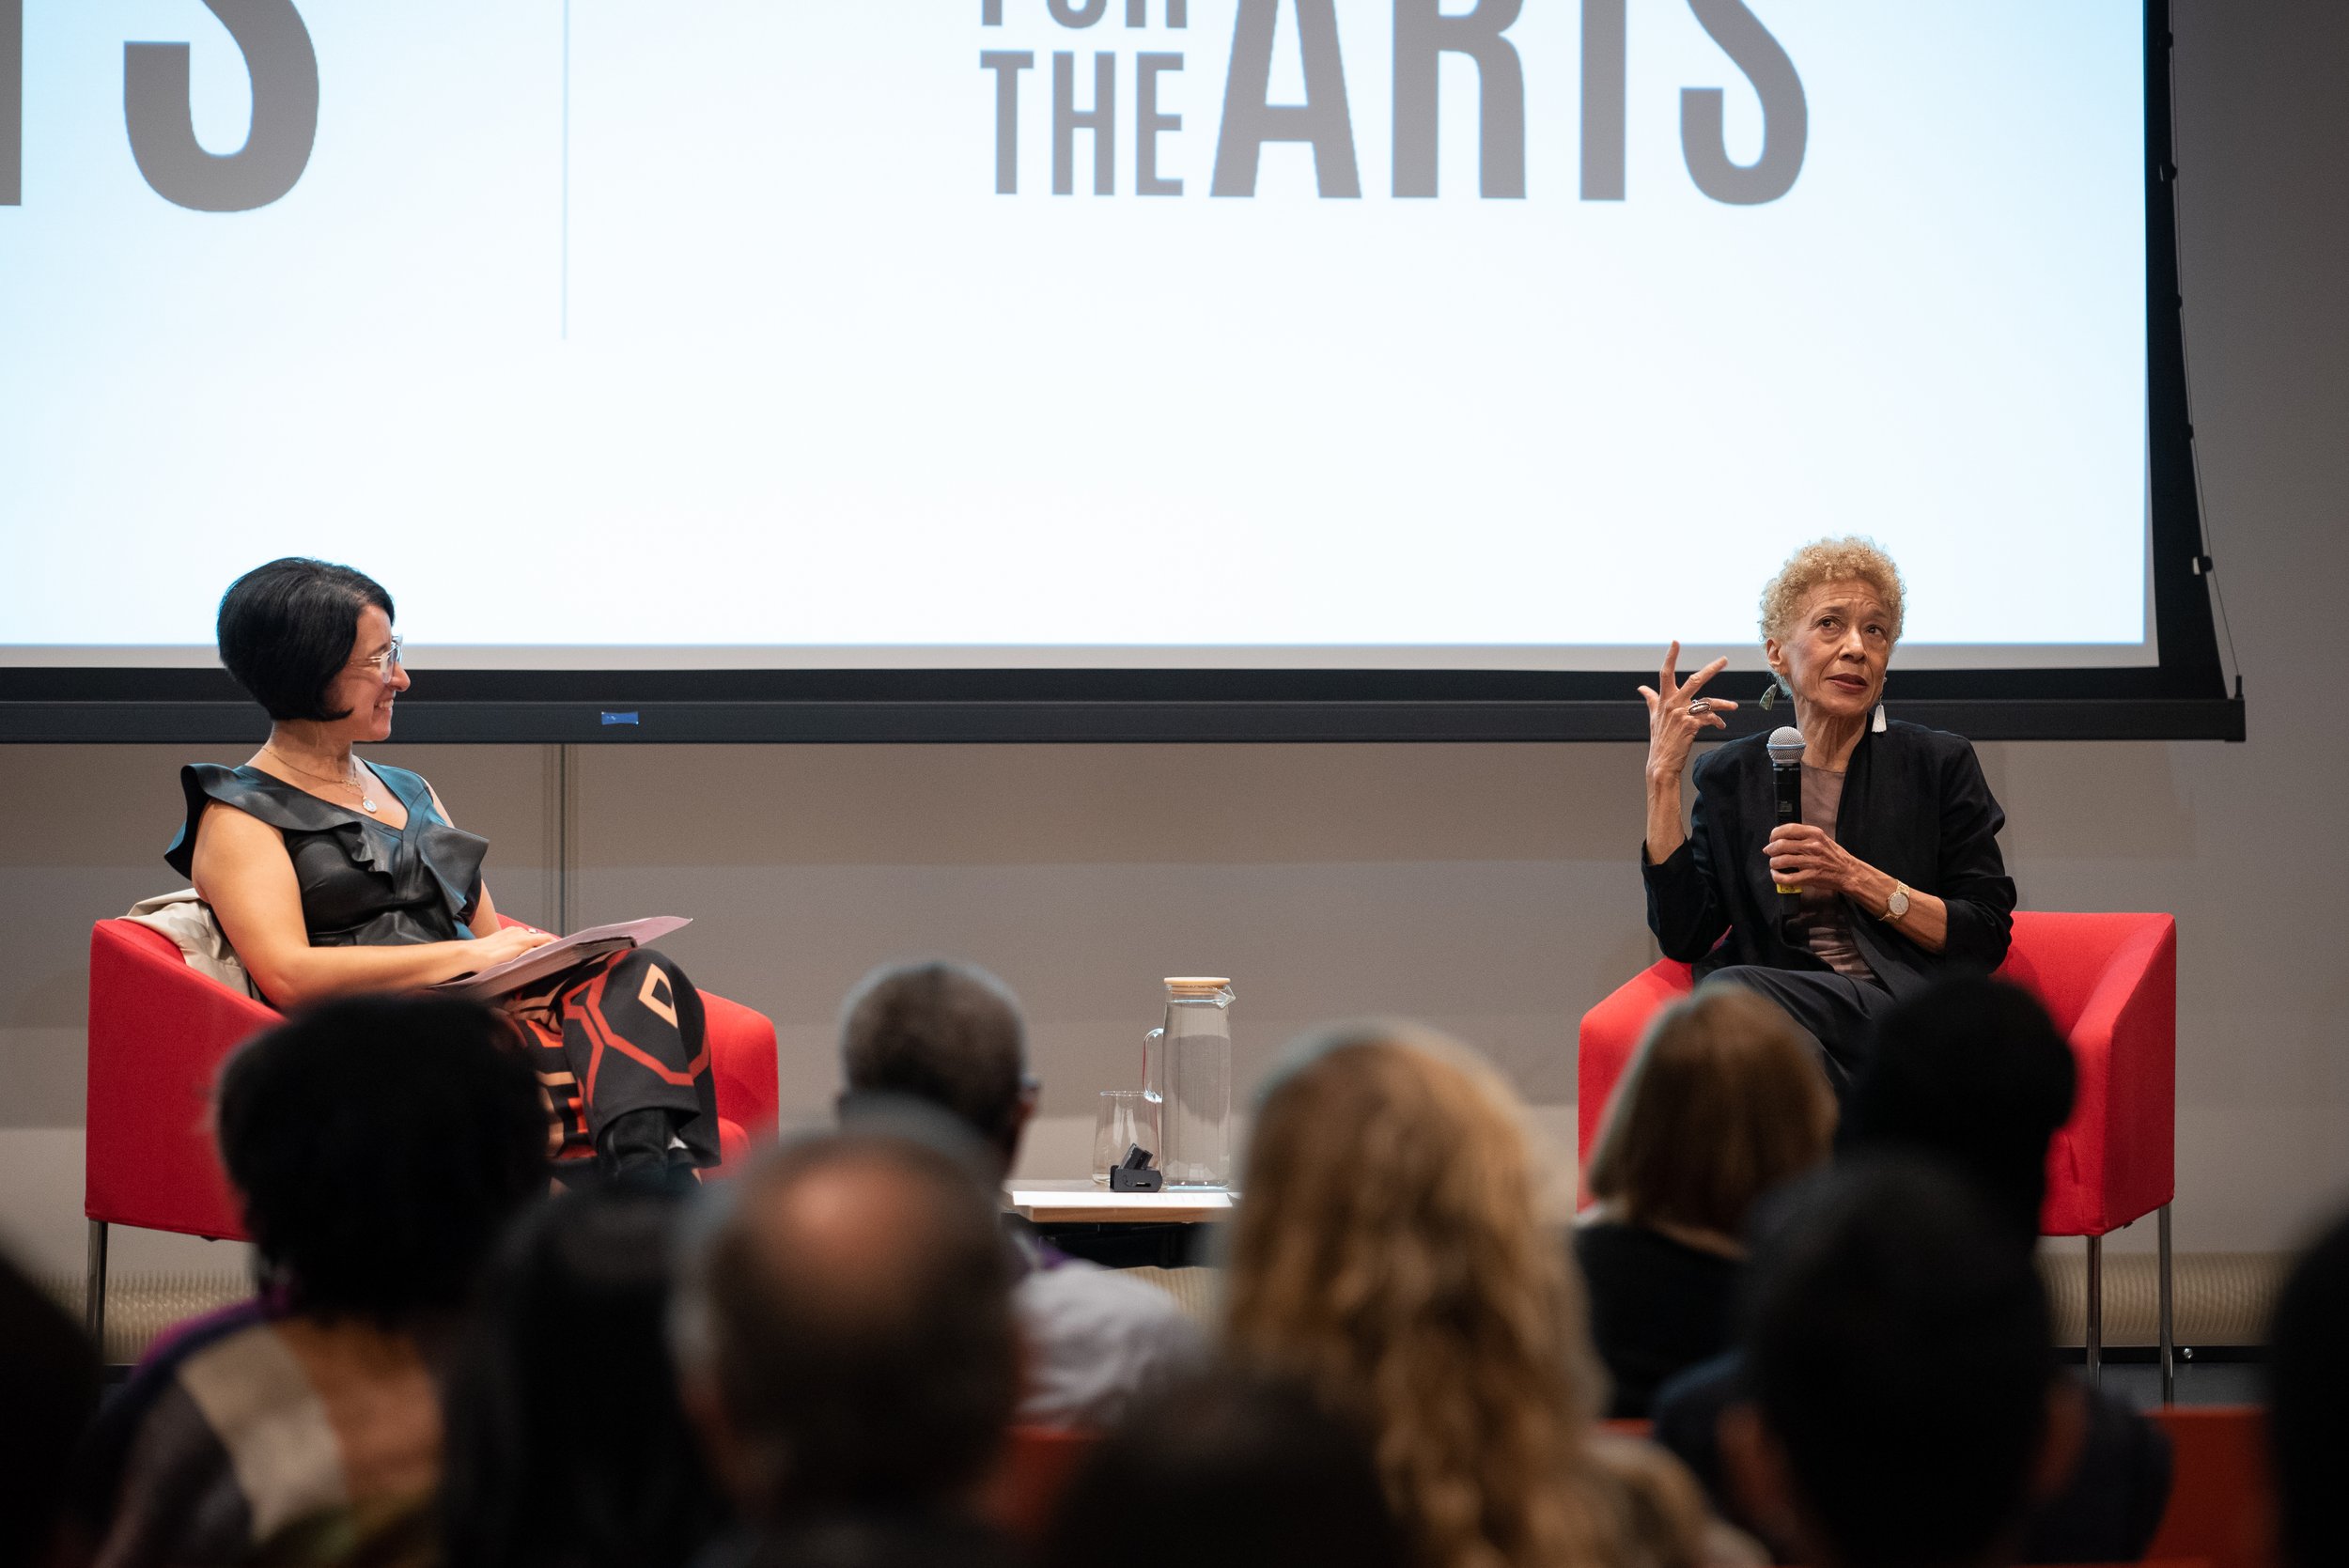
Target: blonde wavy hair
1391, 1251
1845, 560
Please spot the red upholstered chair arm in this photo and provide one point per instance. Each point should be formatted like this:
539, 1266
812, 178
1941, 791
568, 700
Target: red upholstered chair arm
158, 1033
2115, 1161
742, 1065
1610, 1031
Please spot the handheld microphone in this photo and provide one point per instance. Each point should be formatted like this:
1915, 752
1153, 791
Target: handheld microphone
1786, 748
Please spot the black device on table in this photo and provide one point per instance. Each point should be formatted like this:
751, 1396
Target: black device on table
1133, 1173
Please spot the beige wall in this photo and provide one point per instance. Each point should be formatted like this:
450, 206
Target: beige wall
1489, 889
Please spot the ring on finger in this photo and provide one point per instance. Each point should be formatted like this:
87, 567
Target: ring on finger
1701, 707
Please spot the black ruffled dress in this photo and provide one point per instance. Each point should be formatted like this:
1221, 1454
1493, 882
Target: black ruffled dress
619, 1033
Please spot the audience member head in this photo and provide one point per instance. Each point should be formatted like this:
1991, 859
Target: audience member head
845, 1326
1393, 1252
1723, 1100
1232, 1469
48, 1394
947, 1033
2308, 1388
1905, 1411
287, 629
567, 1447
380, 1189
1973, 1073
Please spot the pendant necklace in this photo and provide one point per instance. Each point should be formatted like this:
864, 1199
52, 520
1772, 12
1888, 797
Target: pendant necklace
366, 798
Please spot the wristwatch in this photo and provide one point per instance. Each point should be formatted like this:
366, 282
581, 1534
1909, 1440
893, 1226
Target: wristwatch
1897, 905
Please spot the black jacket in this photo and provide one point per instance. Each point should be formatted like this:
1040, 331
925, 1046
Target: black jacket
1915, 806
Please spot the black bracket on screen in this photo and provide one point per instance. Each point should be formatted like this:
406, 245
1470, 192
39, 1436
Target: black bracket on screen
1133, 1173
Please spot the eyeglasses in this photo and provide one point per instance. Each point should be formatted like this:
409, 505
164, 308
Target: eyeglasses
386, 662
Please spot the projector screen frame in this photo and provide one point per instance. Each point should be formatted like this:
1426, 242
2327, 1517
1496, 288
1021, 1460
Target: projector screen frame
2183, 697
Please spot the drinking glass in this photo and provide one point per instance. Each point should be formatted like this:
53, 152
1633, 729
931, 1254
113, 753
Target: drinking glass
1127, 1117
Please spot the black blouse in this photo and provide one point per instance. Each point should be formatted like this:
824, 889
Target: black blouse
1915, 806
364, 884
1658, 1307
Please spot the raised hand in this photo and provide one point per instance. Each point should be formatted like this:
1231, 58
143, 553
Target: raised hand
1676, 714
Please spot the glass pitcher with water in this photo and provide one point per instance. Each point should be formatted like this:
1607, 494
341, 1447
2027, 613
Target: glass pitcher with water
1187, 1064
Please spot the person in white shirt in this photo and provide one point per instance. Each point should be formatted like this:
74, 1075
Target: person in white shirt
952, 1035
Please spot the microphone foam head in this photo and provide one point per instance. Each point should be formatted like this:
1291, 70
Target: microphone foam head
1786, 746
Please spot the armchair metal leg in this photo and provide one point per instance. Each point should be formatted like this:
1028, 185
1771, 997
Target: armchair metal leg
2168, 1331
94, 1286
2095, 1337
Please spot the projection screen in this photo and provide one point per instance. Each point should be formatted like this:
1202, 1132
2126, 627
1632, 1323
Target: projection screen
729, 354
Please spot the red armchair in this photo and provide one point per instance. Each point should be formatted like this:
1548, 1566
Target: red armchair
2110, 981
158, 1033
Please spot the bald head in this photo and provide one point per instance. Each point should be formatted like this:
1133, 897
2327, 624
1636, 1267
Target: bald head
851, 1241
852, 1314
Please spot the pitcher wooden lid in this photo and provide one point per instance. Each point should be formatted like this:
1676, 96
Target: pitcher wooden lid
1195, 985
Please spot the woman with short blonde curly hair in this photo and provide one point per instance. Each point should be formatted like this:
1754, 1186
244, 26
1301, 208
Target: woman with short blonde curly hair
1393, 1252
1824, 561
1890, 876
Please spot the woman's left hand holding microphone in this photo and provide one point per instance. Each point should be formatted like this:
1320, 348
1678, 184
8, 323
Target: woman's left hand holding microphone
1802, 856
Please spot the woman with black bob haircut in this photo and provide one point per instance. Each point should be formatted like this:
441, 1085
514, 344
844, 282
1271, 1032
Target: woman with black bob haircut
567, 1444
285, 632
332, 877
